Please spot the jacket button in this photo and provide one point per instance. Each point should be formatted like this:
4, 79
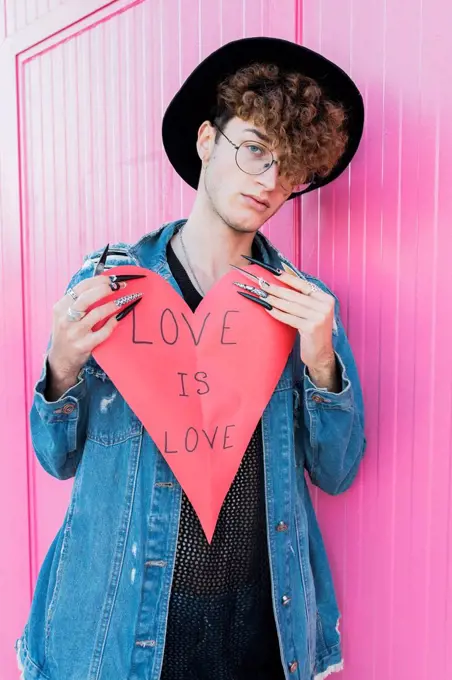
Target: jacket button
68, 408
317, 399
293, 667
285, 600
281, 526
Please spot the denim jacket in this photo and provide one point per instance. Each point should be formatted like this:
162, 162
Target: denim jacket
100, 604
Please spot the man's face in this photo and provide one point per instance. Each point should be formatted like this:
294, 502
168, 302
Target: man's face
244, 201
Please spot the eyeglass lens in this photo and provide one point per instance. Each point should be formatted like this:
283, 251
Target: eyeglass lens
254, 159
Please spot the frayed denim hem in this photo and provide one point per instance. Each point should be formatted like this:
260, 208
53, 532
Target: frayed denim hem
20, 665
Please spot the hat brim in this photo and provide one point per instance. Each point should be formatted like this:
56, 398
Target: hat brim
197, 97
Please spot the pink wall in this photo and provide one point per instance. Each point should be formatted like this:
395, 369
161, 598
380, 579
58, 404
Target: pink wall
382, 238
84, 86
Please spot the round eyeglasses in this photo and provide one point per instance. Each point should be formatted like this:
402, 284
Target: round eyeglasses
254, 158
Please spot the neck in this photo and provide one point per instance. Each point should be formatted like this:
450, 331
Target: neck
212, 245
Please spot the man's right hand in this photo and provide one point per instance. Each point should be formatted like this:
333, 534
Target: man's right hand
73, 341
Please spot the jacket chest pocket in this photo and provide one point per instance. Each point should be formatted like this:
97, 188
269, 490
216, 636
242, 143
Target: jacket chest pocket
286, 380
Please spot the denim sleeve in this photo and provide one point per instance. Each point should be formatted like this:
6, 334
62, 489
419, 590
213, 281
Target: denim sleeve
58, 428
330, 426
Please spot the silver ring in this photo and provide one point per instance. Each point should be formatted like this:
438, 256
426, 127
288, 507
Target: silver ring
313, 287
72, 293
74, 314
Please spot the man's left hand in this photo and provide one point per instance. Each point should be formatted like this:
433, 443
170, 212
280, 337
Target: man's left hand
311, 312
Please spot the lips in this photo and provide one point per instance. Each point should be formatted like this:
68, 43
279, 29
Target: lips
258, 202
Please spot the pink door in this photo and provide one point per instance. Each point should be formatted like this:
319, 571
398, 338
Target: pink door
83, 89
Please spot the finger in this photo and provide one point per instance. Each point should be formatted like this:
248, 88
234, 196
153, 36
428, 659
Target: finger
303, 286
302, 325
98, 283
92, 295
89, 341
103, 333
294, 308
104, 311
90, 282
297, 297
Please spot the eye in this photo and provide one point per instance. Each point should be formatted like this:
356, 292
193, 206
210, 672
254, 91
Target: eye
255, 149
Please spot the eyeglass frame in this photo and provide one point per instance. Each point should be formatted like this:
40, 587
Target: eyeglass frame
237, 148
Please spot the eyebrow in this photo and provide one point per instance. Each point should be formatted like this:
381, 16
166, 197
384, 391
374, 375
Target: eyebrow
256, 132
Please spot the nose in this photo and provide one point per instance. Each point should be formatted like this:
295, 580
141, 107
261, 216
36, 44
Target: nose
269, 178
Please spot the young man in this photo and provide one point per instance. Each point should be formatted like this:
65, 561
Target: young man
130, 588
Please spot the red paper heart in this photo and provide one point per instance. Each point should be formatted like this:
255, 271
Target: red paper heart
199, 382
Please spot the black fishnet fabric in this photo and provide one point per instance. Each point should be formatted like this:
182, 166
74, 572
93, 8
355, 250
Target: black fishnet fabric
220, 620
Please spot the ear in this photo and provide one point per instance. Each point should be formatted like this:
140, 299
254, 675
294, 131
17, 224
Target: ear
206, 141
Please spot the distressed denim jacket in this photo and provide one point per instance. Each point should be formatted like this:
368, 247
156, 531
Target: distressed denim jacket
100, 605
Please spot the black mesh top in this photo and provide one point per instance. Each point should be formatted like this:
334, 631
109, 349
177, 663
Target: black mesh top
220, 622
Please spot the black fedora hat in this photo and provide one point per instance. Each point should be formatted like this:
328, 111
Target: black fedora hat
196, 100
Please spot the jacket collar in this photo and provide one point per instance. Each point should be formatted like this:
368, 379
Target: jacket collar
150, 250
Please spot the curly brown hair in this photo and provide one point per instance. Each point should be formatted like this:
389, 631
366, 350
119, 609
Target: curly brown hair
304, 126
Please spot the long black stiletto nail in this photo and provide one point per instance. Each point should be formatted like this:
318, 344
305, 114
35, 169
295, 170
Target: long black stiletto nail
127, 310
256, 279
258, 301
100, 266
251, 289
118, 278
268, 267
